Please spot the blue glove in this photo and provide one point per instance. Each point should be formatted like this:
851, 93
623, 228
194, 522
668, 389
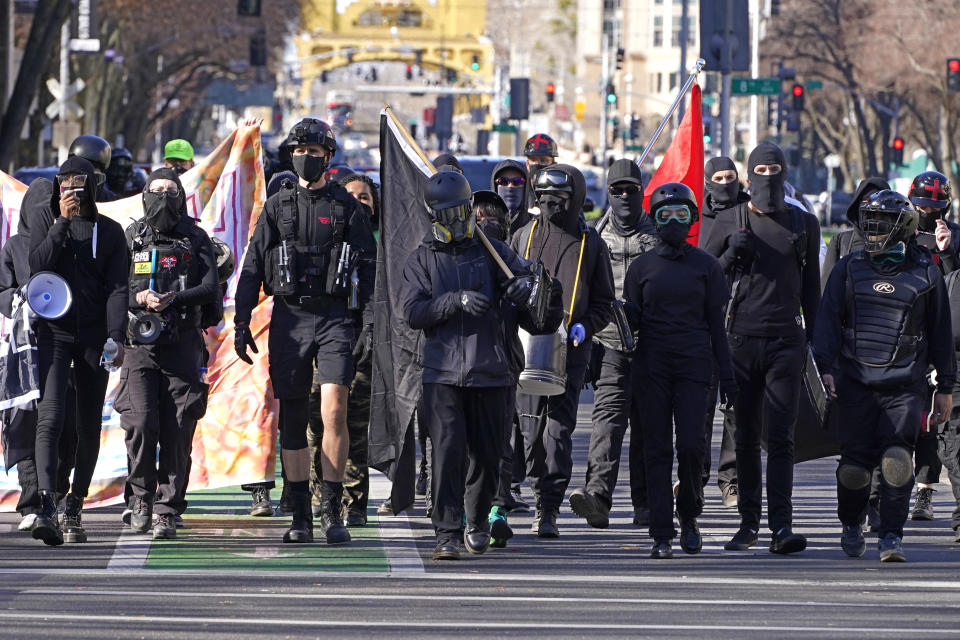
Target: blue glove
577, 334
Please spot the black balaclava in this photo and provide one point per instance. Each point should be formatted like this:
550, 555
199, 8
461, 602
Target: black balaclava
492, 228
309, 167
627, 216
721, 194
160, 210
561, 212
766, 192
76, 164
865, 189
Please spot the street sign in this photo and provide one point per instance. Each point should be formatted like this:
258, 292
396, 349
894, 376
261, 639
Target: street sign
65, 132
504, 127
709, 100
74, 110
755, 87
633, 147
814, 85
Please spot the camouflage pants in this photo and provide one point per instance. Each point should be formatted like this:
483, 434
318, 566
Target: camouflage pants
356, 484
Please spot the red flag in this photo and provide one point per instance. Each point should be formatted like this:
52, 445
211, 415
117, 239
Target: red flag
683, 161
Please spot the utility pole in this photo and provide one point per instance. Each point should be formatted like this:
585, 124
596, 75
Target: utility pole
756, 15
605, 79
684, 34
725, 69
63, 149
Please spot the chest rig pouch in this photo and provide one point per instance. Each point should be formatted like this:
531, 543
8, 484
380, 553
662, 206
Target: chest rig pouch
160, 264
884, 327
300, 267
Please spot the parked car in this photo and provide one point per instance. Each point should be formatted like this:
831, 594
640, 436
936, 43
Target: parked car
832, 207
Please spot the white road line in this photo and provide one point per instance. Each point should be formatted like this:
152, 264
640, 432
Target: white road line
711, 602
130, 552
396, 535
168, 621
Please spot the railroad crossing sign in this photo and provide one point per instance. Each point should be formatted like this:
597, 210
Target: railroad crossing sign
74, 110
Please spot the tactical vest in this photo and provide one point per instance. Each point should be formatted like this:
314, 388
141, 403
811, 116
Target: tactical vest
160, 264
297, 266
886, 315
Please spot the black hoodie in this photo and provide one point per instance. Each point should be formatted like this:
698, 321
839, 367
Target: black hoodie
558, 246
519, 216
14, 264
90, 253
849, 240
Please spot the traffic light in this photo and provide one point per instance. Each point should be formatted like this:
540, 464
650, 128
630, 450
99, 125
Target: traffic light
621, 54
798, 95
611, 94
953, 74
616, 128
248, 8
323, 76
258, 49
551, 91
475, 63
452, 76
707, 131
896, 151
774, 7
409, 72
634, 127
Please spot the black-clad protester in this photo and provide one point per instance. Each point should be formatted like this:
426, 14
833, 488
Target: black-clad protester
884, 320
931, 195
97, 152
772, 255
948, 438
89, 252
628, 232
453, 291
576, 256
723, 197
509, 180
850, 240
541, 152
308, 242
162, 393
119, 172
677, 295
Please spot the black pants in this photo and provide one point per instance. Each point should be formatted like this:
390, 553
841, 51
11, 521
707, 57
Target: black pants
56, 401
727, 460
949, 450
671, 400
871, 422
160, 399
508, 461
768, 372
466, 437
926, 459
616, 404
547, 424
29, 500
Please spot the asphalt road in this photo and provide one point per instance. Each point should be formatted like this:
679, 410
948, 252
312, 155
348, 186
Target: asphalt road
228, 576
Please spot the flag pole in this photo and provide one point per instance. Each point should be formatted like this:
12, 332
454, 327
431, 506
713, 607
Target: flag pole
476, 229
676, 103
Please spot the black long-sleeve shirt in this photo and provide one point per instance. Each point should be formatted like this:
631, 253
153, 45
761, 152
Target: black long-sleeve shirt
773, 290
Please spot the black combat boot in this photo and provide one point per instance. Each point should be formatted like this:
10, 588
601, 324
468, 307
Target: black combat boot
301, 530
331, 515
46, 527
72, 526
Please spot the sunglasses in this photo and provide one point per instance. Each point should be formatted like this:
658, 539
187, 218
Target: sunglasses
503, 181
624, 190
171, 191
679, 212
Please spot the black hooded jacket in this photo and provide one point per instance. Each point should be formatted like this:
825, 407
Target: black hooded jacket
14, 262
91, 254
202, 284
849, 240
712, 210
521, 216
559, 247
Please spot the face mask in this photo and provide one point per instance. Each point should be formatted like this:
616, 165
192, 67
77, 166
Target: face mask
673, 233
512, 196
766, 192
555, 208
493, 229
722, 194
161, 211
627, 209
928, 221
308, 167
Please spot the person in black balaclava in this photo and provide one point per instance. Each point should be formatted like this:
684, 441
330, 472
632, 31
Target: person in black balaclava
509, 180
772, 257
676, 296
723, 197
577, 256
88, 251
119, 172
628, 232
172, 275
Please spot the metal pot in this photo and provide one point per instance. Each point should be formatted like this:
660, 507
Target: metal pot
545, 373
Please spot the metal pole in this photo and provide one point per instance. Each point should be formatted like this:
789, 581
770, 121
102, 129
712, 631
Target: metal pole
663, 123
754, 71
63, 150
684, 22
725, 69
11, 80
158, 134
605, 112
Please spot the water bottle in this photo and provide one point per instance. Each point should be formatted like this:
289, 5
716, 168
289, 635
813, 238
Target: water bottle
110, 351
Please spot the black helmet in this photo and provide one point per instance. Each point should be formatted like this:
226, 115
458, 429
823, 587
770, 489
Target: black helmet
121, 162
550, 180
673, 194
93, 148
447, 197
225, 259
931, 189
312, 131
540, 145
886, 218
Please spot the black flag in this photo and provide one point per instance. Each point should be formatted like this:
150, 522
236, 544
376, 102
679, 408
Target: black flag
404, 171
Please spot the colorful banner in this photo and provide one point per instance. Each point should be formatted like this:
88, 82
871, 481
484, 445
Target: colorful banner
235, 442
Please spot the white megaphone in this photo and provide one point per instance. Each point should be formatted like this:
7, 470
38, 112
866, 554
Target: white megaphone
48, 295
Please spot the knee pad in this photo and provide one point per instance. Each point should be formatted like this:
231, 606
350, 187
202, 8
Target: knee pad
853, 477
896, 465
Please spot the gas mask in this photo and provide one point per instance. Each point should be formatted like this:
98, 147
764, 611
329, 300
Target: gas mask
453, 224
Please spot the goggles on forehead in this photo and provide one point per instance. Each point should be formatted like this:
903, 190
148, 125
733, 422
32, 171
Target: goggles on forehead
679, 212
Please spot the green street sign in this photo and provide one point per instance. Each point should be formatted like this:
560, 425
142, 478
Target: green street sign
709, 100
633, 147
814, 85
755, 87
504, 127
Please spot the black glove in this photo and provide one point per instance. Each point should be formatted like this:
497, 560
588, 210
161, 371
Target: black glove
518, 290
242, 338
474, 302
742, 246
364, 347
728, 394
